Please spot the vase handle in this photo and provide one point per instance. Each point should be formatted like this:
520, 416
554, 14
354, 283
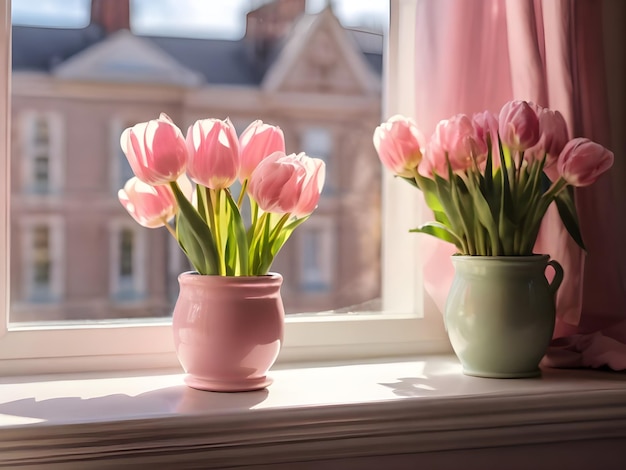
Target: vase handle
558, 276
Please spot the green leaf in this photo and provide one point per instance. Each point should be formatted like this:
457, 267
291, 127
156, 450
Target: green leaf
446, 203
194, 235
567, 211
411, 181
284, 235
464, 209
200, 194
488, 181
237, 235
189, 245
440, 231
486, 219
442, 218
506, 228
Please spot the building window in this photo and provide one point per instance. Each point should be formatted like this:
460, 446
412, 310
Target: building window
127, 271
41, 257
316, 246
42, 254
42, 158
318, 142
126, 253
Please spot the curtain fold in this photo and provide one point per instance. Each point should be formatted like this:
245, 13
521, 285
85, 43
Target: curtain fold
477, 54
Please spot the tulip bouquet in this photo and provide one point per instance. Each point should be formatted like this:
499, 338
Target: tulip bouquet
282, 190
489, 179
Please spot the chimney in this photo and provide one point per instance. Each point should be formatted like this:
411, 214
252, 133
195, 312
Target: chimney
111, 15
273, 20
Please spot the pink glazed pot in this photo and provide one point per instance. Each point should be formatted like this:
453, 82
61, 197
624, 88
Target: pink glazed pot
228, 330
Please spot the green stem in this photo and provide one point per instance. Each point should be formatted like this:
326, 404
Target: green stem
279, 226
170, 229
214, 195
242, 193
208, 207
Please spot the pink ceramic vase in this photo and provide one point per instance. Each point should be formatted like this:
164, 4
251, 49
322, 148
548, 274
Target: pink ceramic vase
228, 330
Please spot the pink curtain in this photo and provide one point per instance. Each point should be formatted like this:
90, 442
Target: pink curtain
477, 54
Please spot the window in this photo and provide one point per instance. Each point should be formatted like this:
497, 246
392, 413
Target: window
402, 327
41, 157
127, 256
318, 142
316, 248
42, 251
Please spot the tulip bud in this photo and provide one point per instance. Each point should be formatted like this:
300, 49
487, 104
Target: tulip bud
155, 150
213, 153
399, 145
518, 125
582, 161
456, 141
258, 141
486, 125
150, 206
554, 132
311, 185
276, 184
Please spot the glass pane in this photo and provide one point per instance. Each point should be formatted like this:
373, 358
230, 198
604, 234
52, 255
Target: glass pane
41, 257
126, 253
76, 86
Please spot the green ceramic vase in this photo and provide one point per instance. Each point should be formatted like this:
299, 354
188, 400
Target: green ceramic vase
500, 313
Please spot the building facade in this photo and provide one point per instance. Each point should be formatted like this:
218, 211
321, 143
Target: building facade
76, 254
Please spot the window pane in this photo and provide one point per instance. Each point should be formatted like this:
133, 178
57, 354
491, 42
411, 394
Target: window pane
126, 253
312, 70
41, 258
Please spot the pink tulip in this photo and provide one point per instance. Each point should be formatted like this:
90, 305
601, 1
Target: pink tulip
518, 125
399, 145
155, 150
150, 206
276, 184
311, 185
582, 161
553, 136
213, 153
486, 124
456, 141
258, 141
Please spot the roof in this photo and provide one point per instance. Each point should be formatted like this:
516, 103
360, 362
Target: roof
218, 61
40, 49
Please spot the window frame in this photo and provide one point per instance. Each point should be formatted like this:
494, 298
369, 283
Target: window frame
408, 325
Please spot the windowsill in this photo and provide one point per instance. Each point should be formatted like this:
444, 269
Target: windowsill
310, 413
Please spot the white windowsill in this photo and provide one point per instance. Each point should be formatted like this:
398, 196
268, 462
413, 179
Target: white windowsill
416, 407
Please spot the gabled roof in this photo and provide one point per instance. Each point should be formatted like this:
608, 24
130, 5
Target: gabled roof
124, 57
334, 63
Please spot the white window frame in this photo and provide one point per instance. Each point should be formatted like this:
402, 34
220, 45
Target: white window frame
408, 325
